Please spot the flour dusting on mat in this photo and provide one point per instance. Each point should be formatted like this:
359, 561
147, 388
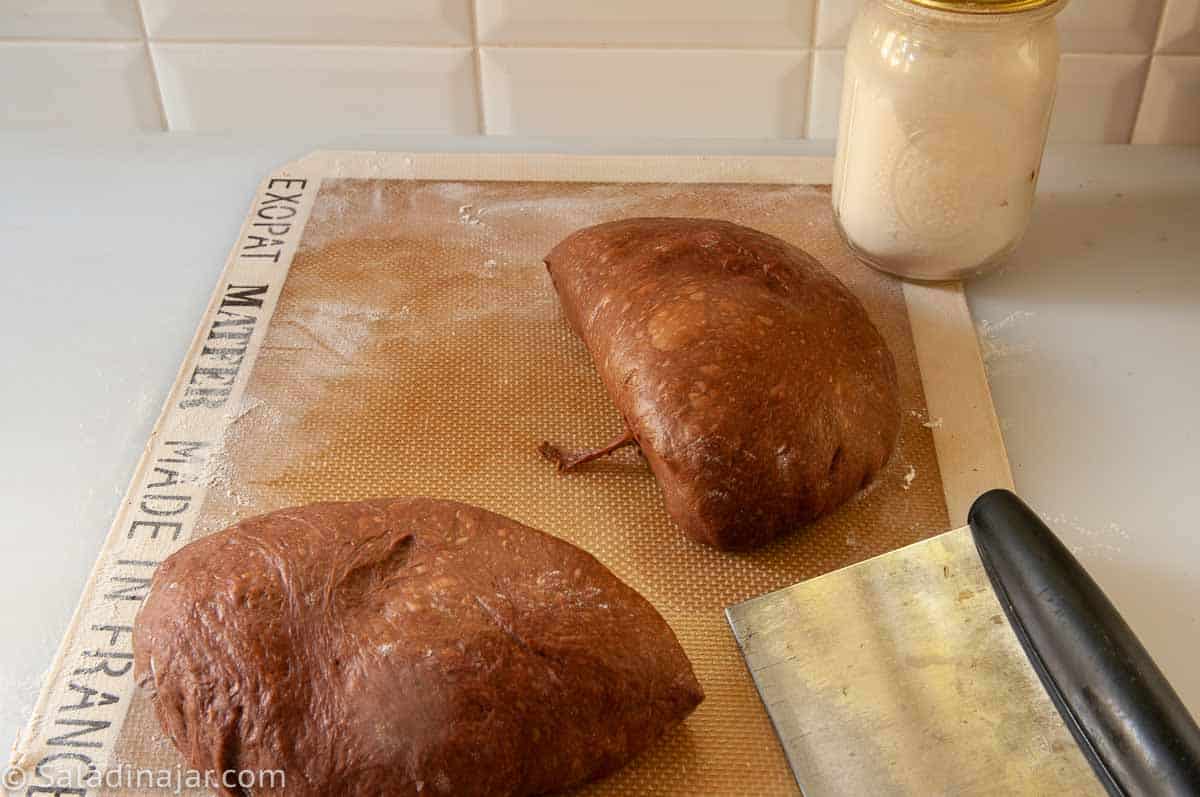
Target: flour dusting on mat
335, 214
250, 419
338, 327
467, 214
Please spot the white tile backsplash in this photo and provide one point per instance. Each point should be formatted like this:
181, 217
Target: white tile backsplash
91, 86
698, 93
825, 97
275, 87
1097, 99
365, 21
1171, 106
701, 23
1180, 29
70, 19
1109, 26
537, 67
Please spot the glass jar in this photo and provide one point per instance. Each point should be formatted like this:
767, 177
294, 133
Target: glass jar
945, 106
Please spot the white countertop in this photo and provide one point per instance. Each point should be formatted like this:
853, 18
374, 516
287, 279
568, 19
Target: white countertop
109, 248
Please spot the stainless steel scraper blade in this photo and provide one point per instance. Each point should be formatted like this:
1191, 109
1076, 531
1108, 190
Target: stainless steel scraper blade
900, 675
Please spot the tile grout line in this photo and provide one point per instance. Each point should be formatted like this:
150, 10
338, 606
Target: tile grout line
1158, 32
808, 97
158, 90
1158, 28
1141, 100
40, 40
812, 69
477, 56
399, 45
348, 44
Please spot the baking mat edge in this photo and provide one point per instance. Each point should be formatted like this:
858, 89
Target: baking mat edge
558, 167
966, 433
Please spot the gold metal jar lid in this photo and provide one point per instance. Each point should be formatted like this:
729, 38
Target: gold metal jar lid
984, 6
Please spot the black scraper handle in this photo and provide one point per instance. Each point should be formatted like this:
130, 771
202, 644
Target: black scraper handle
1130, 724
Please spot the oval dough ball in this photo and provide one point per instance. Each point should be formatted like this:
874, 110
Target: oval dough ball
753, 381
405, 647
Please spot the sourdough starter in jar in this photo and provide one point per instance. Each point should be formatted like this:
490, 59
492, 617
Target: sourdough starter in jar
945, 106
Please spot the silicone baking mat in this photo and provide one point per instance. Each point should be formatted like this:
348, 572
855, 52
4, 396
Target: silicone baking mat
389, 335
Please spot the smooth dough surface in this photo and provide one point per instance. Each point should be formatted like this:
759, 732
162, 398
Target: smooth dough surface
405, 646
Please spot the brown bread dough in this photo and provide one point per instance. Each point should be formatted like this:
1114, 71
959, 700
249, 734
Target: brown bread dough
405, 646
752, 380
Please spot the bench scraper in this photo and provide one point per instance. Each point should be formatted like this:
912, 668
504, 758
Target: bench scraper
981, 661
